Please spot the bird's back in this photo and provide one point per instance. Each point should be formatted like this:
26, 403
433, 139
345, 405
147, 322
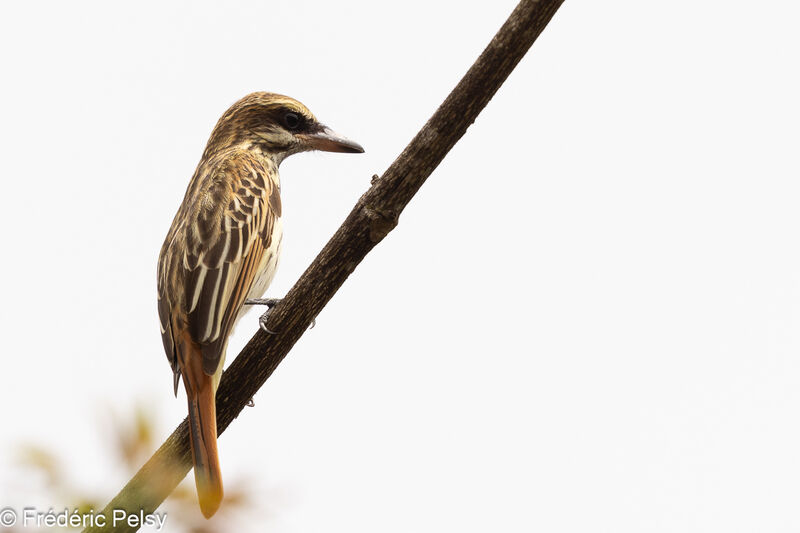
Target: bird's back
222, 248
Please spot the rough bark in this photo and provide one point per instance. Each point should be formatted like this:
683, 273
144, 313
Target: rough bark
373, 217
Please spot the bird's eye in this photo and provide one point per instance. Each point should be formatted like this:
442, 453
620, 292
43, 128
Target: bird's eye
292, 120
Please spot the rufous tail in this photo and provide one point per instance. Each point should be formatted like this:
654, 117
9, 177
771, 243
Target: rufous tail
201, 392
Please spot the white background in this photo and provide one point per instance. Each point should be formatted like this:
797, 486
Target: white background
586, 321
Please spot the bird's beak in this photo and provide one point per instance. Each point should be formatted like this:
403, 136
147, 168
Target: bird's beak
328, 140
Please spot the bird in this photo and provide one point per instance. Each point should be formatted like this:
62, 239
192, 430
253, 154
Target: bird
222, 249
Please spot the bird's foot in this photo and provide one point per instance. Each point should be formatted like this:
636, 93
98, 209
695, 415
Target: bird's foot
270, 303
262, 320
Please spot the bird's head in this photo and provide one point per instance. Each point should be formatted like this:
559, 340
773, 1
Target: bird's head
276, 125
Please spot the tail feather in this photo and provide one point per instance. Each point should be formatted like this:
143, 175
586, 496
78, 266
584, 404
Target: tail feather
201, 392
203, 431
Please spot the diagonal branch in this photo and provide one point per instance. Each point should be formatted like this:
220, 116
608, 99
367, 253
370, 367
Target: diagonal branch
373, 217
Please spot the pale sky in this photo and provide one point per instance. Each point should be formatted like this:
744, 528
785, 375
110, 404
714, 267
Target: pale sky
587, 320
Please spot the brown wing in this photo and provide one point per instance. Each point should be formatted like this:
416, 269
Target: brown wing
213, 252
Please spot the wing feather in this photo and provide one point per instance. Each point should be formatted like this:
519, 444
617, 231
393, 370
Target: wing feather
214, 251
